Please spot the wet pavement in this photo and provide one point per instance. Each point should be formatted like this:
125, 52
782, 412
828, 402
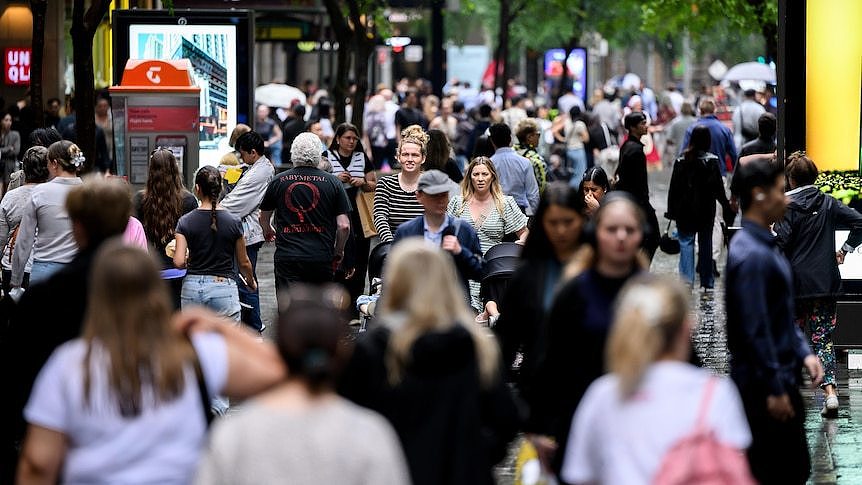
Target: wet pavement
835, 444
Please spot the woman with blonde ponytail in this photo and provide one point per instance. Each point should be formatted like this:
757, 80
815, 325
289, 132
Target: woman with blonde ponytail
652, 399
433, 373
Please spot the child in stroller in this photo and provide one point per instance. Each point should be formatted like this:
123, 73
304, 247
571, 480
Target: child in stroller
366, 304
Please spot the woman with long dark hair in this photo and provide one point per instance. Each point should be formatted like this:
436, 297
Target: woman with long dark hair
439, 151
159, 207
695, 186
594, 185
553, 239
580, 321
125, 403
215, 246
356, 173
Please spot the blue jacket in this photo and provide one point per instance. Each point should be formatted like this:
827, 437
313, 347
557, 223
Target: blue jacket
722, 141
469, 263
766, 346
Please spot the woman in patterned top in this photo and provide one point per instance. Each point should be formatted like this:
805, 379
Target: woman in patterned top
492, 214
395, 199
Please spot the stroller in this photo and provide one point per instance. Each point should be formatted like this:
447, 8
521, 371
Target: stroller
366, 303
501, 261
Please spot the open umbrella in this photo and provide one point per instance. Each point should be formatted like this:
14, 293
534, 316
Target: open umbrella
751, 71
278, 95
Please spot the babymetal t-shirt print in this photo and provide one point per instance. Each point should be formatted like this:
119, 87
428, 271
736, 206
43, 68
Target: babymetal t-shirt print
306, 201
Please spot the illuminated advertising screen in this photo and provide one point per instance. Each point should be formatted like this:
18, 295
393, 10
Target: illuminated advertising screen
219, 46
576, 64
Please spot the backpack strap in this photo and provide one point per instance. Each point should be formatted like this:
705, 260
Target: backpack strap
705, 401
202, 387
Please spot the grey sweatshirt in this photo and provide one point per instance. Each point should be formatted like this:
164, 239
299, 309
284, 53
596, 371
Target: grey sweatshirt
244, 200
47, 212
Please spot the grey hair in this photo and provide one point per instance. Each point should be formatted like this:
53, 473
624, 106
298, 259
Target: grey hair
306, 150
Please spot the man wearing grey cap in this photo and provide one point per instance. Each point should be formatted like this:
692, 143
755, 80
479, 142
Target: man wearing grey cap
442, 229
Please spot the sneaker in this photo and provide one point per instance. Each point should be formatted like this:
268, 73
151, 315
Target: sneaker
830, 408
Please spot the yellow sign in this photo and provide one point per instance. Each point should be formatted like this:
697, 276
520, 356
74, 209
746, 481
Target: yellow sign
833, 91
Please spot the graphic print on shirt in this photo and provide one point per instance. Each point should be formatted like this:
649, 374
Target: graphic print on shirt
302, 202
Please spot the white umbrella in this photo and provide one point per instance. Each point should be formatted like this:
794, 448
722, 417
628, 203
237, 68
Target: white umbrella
278, 95
751, 71
631, 82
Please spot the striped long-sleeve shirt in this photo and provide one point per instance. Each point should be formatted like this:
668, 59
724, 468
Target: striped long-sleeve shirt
393, 206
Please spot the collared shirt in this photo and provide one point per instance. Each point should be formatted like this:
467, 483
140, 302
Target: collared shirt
517, 178
435, 237
722, 141
766, 347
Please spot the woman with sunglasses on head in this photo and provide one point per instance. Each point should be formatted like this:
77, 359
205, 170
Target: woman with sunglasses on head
215, 243
46, 214
159, 207
492, 214
580, 321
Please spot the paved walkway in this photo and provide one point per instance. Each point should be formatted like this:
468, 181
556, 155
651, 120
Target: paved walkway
836, 445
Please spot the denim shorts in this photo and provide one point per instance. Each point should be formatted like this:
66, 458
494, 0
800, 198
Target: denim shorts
214, 292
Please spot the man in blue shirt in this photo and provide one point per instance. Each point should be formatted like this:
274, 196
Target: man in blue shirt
514, 171
442, 229
767, 349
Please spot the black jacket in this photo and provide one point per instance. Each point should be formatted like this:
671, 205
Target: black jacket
695, 186
48, 315
807, 237
632, 178
452, 430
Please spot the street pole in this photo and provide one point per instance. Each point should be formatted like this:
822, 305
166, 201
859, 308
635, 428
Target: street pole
437, 71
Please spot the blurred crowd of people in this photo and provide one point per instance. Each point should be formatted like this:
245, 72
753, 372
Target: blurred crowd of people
452, 273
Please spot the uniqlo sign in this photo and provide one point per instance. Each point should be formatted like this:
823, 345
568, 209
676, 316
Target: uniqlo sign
16, 66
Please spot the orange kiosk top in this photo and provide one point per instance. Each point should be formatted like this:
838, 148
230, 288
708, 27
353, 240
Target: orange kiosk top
156, 76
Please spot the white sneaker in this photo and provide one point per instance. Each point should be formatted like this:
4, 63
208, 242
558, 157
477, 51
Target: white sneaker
830, 408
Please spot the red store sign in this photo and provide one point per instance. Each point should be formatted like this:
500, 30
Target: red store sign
16, 65
162, 118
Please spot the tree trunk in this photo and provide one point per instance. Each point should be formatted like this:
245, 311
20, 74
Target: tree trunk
564, 77
343, 34
502, 46
39, 9
770, 35
362, 54
84, 26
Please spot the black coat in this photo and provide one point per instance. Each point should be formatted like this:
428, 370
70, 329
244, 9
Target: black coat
452, 431
632, 178
48, 315
807, 237
695, 186
578, 329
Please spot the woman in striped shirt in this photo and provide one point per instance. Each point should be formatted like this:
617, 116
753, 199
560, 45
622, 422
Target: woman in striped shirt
395, 200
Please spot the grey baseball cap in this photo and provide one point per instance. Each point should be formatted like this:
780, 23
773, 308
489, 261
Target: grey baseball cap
433, 182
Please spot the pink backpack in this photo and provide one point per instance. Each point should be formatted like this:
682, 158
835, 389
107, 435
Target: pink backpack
700, 458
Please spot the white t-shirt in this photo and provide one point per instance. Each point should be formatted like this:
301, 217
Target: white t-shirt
161, 445
624, 441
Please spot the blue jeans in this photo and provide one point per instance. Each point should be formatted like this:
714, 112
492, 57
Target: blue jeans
250, 316
576, 161
214, 292
43, 270
704, 257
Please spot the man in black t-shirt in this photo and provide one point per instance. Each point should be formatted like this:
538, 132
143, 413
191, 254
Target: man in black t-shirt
311, 217
765, 141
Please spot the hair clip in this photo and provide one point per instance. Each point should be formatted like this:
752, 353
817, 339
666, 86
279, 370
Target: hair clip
78, 159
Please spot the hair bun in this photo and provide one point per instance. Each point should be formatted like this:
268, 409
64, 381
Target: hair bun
415, 133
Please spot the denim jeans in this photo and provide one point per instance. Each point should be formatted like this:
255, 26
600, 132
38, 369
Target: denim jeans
704, 253
43, 270
576, 161
250, 316
214, 292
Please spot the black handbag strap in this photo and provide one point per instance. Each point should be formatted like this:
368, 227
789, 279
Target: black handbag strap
202, 388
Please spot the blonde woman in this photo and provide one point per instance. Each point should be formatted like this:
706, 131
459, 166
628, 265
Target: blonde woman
395, 196
492, 214
432, 373
125, 403
652, 398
